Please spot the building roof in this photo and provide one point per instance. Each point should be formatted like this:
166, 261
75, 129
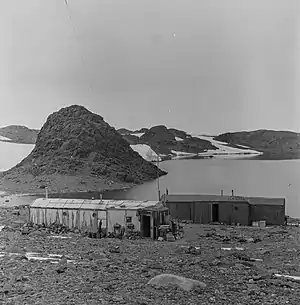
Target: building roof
219, 198
98, 204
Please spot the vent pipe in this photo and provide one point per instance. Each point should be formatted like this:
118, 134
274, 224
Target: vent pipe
232, 193
222, 192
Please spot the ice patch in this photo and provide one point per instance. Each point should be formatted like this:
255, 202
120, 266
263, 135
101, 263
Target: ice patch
139, 134
4, 139
146, 152
224, 149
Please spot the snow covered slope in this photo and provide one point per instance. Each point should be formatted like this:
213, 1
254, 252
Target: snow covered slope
4, 139
146, 152
225, 150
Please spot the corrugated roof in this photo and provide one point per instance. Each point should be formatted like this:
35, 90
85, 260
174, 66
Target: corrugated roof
91, 204
219, 198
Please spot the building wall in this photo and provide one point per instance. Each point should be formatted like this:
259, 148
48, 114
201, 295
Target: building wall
84, 218
119, 216
183, 210
202, 212
273, 214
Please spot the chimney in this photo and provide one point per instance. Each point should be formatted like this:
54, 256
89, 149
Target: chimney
46, 192
232, 193
222, 192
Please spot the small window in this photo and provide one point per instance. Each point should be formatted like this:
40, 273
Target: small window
94, 214
64, 213
128, 219
236, 208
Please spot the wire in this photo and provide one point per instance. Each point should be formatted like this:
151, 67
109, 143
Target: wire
78, 43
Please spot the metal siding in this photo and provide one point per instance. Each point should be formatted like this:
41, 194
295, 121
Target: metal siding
240, 212
274, 215
225, 212
182, 210
202, 212
115, 216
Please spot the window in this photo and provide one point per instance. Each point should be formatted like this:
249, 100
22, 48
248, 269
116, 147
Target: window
236, 208
64, 213
128, 219
94, 214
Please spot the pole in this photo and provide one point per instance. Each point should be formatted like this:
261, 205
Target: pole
158, 189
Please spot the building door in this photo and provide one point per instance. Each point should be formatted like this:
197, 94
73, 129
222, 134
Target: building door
215, 212
145, 225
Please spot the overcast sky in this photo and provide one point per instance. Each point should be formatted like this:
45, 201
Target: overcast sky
206, 66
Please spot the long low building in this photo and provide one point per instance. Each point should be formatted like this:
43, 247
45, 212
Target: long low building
207, 209
146, 216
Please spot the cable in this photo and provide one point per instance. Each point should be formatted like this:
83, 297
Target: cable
78, 43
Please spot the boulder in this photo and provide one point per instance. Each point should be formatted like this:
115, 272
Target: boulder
179, 281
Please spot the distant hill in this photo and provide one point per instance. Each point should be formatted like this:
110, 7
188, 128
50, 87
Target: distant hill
273, 144
171, 143
19, 134
168, 142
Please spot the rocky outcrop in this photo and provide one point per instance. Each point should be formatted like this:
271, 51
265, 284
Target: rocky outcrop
77, 142
273, 144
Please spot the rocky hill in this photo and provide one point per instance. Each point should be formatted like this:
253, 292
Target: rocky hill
168, 142
18, 134
77, 150
273, 144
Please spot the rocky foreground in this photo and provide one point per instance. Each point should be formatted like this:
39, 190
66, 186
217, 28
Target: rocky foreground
237, 264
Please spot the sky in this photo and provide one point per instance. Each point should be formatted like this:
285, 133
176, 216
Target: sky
208, 66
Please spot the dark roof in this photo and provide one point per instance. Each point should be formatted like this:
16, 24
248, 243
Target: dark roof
219, 198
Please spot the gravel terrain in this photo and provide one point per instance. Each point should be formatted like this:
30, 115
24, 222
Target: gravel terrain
237, 264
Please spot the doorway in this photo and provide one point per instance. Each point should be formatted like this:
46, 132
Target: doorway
145, 226
215, 213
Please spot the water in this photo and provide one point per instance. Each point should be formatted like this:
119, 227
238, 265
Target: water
248, 177
12, 153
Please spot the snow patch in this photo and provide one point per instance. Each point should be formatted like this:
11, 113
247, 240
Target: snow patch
224, 149
146, 152
139, 134
178, 139
4, 139
181, 154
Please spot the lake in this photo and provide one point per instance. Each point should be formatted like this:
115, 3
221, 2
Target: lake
247, 177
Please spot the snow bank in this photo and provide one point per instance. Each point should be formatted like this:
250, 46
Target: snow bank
224, 149
139, 134
4, 139
146, 152
181, 154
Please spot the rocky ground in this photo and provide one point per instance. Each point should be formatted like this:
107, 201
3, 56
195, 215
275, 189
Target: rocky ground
73, 269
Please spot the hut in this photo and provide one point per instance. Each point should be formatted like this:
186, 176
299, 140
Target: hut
145, 216
241, 210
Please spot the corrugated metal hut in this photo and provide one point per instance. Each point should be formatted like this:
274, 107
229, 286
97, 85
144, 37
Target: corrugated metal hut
81, 214
272, 210
206, 209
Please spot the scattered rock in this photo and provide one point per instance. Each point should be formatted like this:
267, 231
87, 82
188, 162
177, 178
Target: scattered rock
179, 281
